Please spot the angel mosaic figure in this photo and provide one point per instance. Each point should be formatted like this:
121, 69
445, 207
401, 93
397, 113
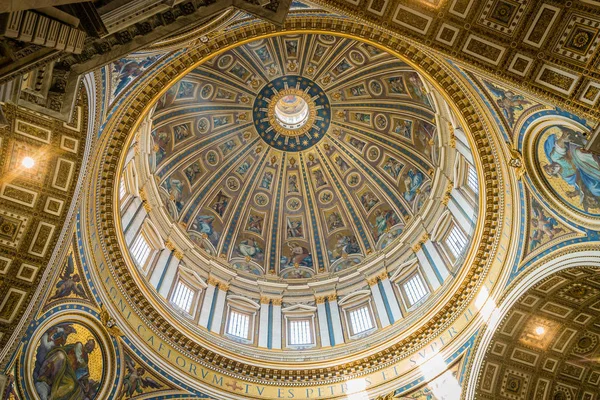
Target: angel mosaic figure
135, 381
255, 223
392, 167
250, 248
543, 226
293, 184
267, 178
204, 225
342, 164
69, 283
384, 220
508, 101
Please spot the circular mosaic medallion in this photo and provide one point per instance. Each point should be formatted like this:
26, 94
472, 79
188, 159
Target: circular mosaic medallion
375, 87
203, 125
326, 196
212, 158
373, 153
353, 179
225, 61
294, 204
233, 184
206, 91
261, 199
291, 113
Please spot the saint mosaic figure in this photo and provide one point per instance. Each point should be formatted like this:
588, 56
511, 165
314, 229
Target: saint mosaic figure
61, 369
569, 161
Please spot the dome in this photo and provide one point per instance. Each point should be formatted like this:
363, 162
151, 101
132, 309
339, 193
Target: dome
298, 162
297, 173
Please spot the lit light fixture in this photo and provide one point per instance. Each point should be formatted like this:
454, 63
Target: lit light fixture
28, 162
540, 330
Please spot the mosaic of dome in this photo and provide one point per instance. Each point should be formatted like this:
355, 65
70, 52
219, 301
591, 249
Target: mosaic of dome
296, 155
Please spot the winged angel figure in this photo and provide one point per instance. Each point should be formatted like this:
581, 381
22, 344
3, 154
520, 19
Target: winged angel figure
508, 101
69, 283
135, 381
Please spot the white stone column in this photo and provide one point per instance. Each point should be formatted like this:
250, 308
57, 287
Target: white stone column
459, 197
263, 323
169, 274
133, 228
336, 322
379, 305
428, 269
323, 324
462, 145
276, 338
127, 216
438, 261
217, 319
160, 266
209, 294
391, 298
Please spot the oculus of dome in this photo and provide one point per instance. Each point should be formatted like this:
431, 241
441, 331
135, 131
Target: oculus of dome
291, 113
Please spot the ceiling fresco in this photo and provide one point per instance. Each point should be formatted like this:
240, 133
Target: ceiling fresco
290, 199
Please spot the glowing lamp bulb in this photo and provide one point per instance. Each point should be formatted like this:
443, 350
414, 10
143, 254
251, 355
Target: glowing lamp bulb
28, 162
540, 330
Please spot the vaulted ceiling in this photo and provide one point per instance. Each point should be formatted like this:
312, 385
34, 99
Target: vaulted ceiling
548, 345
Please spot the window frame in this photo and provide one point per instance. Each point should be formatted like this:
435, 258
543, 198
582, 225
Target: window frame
409, 305
461, 177
144, 266
352, 302
309, 325
193, 301
403, 273
368, 309
295, 313
245, 307
448, 249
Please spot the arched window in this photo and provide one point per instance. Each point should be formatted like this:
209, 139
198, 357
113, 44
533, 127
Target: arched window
141, 251
183, 296
300, 332
241, 317
238, 324
122, 189
456, 241
358, 313
300, 326
360, 320
472, 180
414, 289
